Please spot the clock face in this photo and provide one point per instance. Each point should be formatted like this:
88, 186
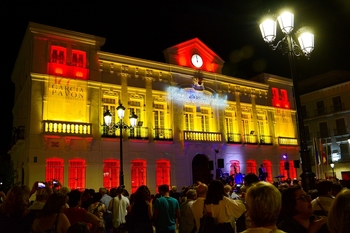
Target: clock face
197, 60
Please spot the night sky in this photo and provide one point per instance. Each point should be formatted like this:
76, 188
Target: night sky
144, 29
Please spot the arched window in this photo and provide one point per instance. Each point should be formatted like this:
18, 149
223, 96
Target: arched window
111, 170
54, 169
162, 172
76, 176
284, 172
268, 166
235, 167
138, 174
251, 166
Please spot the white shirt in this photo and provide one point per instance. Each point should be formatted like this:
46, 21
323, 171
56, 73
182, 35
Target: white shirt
197, 210
118, 208
226, 210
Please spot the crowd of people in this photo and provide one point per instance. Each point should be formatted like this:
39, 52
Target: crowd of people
257, 206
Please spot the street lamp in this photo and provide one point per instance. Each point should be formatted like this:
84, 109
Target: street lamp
332, 166
121, 125
288, 45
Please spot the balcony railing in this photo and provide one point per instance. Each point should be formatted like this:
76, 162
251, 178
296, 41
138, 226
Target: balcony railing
250, 139
287, 141
340, 132
202, 136
138, 133
265, 140
18, 134
338, 107
323, 134
163, 134
234, 138
67, 128
320, 111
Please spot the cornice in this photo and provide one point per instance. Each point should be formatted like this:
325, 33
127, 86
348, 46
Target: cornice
67, 34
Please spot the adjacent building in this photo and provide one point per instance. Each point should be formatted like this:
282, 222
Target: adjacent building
326, 113
194, 122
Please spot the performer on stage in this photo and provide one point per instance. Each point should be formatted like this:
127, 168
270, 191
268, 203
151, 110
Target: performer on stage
262, 173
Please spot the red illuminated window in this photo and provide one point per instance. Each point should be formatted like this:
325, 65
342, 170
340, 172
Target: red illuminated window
284, 99
235, 167
111, 170
251, 166
58, 54
268, 167
54, 169
276, 102
76, 175
138, 174
292, 171
162, 173
78, 58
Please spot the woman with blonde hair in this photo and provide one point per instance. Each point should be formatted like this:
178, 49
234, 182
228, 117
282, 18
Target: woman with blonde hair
263, 203
339, 213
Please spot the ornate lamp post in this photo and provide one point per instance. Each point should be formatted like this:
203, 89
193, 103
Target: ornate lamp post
121, 125
288, 45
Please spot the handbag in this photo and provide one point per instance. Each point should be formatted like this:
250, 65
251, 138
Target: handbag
207, 222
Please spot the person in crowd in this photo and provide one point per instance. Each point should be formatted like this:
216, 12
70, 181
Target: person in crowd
336, 188
52, 218
105, 199
297, 213
244, 221
197, 206
76, 214
118, 206
13, 208
227, 190
339, 213
166, 211
64, 190
140, 217
263, 203
99, 209
187, 223
87, 198
323, 202
41, 196
79, 227
262, 173
175, 194
222, 208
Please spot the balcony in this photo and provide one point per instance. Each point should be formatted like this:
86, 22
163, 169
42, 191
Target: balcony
234, 138
265, 140
323, 134
250, 139
162, 134
202, 136
320, 111
138, 132
67, 128
282, 141
337, 108
340, 132
18, 134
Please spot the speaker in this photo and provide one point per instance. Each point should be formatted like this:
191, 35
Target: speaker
296, 163
286, 165
221, 163
211, 165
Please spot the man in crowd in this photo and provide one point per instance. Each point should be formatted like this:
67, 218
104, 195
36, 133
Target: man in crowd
198, 204
166, 211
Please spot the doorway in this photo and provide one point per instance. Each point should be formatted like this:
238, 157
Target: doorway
200, 169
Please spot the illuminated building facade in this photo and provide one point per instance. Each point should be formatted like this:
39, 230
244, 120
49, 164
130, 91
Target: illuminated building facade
192, 119
326, 112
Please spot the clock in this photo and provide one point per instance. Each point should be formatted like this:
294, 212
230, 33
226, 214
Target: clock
197, 60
